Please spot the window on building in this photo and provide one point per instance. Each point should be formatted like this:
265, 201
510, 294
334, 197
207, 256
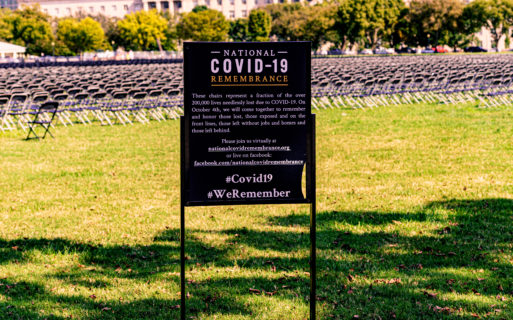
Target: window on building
91, 9
207, 3
244, 1
177, 5
232, 2
232, 14
195, 3
114, 8
125, 7
244, 13
102, 8
220, 2
268, 1
164, 5
152, 5
68, 11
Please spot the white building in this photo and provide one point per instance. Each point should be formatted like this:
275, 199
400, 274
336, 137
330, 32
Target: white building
118, 8
8, 50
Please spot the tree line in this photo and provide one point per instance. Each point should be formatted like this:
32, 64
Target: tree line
342, 23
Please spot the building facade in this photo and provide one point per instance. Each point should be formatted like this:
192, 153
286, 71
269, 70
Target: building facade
118, 8
10, 4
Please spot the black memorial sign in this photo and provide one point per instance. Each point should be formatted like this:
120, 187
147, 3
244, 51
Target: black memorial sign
247, 109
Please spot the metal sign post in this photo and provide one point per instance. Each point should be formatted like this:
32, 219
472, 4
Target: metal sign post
247, 134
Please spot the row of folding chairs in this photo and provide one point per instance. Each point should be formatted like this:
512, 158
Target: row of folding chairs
117, 107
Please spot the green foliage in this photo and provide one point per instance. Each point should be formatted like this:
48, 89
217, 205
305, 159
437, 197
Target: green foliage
143, 30
367, 22
259, 25
5, 28
239, 29
206, 25
496, 15
29, 27
318, 25
199, 8
80, 36
109, 25
435, 22
308, 23
287, 20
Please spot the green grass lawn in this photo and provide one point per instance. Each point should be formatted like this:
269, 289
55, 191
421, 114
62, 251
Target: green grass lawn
415, 222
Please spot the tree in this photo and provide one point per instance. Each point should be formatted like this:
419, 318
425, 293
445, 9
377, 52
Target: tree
435, 22
239, 29
496, 15
368, 21
29, 27
401, 34
111, 30
199, 8
143, 30
206, 25
308, 23
259, 25
5, 28
81, 36
318, 25
287, 20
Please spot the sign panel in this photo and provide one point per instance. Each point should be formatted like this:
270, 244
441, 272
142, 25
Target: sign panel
246, 114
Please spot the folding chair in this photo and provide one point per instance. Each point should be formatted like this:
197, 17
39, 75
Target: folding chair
4, 113
44, 118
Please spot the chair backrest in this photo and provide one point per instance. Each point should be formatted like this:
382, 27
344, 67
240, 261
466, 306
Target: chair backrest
81, 95
155, 93
60, 97
40, 98
139, 95
99, 95
73, 91
120, 95
20, 98
173, 92
49, 106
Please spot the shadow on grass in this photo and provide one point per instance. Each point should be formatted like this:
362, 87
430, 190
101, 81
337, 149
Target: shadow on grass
469, 256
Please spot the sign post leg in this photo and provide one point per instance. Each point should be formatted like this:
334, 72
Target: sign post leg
313, 222
182, 221
313, 265
182, 262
